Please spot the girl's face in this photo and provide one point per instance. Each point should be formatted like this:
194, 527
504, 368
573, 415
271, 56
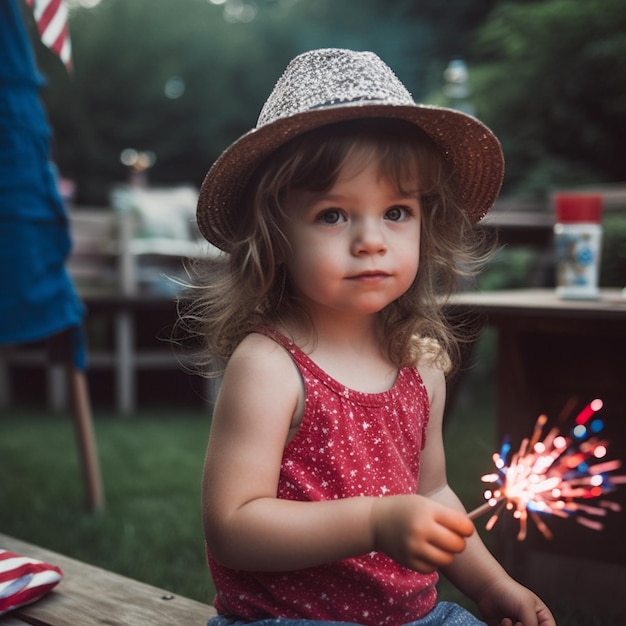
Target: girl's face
355, 246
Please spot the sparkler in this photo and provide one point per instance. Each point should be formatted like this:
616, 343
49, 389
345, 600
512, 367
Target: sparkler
553, 476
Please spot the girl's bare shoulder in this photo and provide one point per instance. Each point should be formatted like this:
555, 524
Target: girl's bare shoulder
433, 364
431, 354
259, 375
261, 357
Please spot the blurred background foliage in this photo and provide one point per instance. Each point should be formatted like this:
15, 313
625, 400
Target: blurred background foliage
184, 78
550, 83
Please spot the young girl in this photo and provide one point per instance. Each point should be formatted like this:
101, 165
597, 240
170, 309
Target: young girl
347, 217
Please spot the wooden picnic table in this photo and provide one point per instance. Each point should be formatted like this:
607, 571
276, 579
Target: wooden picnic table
552, 353
550, 349
91, 596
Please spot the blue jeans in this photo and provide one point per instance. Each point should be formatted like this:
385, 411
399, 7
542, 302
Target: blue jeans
444, 614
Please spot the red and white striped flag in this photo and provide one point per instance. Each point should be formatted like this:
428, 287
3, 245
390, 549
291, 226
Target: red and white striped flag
51, 19
24, 580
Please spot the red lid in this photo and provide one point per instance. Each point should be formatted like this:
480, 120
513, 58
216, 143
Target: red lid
578, 207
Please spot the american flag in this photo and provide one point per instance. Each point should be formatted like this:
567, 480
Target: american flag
24, 580
51, 19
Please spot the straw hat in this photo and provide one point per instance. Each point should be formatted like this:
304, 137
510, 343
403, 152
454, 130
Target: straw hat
326, 86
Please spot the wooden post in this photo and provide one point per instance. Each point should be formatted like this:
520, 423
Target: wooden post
83, 425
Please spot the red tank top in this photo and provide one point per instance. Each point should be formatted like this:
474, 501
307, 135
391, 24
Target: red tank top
349, 444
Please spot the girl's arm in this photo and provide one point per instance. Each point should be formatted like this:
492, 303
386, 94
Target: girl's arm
434, 485
248, 527
474, 571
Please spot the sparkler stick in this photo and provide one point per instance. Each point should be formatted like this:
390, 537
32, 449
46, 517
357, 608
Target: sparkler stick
482, 509
549, 476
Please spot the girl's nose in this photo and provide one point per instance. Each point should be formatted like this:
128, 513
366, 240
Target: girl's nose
368, 239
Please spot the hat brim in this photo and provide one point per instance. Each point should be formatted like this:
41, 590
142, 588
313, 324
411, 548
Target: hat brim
473, 151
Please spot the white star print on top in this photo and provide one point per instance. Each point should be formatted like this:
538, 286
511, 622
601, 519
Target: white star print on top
349, 444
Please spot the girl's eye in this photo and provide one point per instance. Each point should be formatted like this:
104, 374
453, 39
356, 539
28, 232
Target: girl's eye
397, 213
331, 216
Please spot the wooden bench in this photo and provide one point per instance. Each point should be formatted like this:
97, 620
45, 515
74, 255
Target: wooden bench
91, 596
530, 222
120, 274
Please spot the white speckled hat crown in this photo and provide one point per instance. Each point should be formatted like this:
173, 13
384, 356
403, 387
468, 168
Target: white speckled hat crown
326, 86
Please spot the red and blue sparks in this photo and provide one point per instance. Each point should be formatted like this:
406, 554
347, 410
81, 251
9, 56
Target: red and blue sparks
554, 475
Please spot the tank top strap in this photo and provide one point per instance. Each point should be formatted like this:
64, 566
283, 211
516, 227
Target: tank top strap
301, 358
276, 336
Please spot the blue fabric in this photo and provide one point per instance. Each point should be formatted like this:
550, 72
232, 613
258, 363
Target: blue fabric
37, 297
444, 614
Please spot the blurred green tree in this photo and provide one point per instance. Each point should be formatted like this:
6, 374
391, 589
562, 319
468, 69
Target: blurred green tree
184, 78
550, 79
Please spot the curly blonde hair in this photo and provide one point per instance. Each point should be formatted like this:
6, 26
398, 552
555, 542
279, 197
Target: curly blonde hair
229, 298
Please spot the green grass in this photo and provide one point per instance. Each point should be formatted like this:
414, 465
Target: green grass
151, 466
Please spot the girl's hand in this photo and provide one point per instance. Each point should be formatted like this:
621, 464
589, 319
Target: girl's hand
507, 603
417, 532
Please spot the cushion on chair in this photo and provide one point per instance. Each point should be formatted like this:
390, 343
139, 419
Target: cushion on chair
24, 580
